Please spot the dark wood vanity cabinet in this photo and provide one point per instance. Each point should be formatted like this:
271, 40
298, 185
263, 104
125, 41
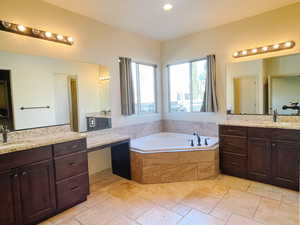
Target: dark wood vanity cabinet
262, 154
29, 189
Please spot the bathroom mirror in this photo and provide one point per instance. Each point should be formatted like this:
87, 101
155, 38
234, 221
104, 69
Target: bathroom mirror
264, 85
37, 91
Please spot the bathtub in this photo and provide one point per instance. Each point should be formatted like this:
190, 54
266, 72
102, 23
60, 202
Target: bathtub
171, 142
169, 157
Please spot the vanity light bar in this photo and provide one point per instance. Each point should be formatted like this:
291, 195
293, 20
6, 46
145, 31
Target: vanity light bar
36, 33
265, 49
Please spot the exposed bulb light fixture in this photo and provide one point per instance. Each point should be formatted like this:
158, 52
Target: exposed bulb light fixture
48, 34
288, 44
36, 33
21, 28
70, 39
265, 49
59, 37
168, 7
254, 50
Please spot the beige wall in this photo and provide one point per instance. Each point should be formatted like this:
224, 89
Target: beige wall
94, 43
272, 27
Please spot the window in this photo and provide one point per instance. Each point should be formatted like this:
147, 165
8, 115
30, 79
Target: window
187, 86
144, 84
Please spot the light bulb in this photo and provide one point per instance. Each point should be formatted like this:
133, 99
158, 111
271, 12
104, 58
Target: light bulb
70, 39
288, 44
254, 50
265, 48
244, 52
235, 54
59, 37
48, 34
6, 24
168, 7
21, 28
276, 46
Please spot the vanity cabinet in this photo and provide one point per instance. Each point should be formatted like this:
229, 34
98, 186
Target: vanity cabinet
261, 154
34, 187
120, 158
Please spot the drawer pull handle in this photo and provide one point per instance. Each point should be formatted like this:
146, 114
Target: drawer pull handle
73, 188
74, 146
15, 175
72, 163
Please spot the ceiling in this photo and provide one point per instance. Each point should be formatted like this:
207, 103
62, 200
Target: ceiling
147, 17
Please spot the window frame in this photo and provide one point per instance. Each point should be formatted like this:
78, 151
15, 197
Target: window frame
138, 88
190, 62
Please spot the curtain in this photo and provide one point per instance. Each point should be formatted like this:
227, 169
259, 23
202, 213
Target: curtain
210, 103
126, 84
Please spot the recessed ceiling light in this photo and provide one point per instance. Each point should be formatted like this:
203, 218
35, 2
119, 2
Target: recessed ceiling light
168, 7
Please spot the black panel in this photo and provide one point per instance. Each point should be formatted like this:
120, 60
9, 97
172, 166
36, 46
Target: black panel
120, 157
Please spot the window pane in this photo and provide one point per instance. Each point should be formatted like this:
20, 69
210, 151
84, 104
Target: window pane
147, 88
199, 72
134, 77
180, 96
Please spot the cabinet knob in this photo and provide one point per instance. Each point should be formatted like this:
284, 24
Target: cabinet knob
273, 145
24, 173
15, 175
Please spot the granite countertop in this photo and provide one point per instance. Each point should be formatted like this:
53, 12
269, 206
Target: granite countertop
38, 141
262, 124
98, 140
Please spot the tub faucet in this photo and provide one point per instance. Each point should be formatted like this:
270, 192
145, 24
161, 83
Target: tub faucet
198, 139
4, 131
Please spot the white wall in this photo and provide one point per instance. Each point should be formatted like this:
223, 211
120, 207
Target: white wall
95, 43
272, 27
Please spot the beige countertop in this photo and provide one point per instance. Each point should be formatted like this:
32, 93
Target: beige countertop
262, 124
38, 141
98, 140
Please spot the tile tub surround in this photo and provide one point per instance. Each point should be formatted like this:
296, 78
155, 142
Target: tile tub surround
166, 167
189, 127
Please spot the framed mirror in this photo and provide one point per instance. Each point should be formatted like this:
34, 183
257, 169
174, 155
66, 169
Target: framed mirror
264, 85
37, 91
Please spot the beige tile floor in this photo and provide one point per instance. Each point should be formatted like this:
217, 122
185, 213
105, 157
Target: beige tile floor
224, 200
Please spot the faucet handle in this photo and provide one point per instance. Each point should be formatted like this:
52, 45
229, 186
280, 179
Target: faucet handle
192, 142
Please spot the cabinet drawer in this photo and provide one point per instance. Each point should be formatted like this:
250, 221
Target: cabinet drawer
286, 135
234, 165
233, 130
69, 147
264, 133
72, 191
230, 144
21, 158
71, 165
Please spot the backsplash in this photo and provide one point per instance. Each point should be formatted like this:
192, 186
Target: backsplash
295, 119
21, 134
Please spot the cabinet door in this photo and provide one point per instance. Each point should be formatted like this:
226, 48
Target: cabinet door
9, 199
37, 191
285, 161
259, 159
120, 157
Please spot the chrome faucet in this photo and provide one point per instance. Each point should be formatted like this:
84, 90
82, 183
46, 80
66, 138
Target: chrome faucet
275, 116
4, 131
198, 139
